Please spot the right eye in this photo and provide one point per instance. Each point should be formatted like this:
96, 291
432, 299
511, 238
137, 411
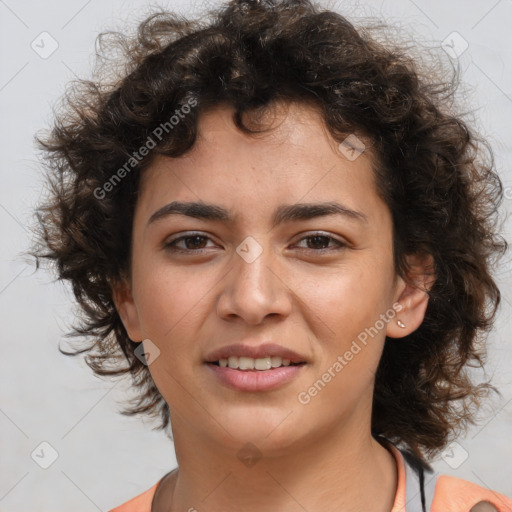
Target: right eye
193, 242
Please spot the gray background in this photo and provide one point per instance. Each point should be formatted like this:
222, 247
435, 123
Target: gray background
105, 458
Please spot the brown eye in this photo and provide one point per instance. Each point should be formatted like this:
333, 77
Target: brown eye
320, 242
190, 243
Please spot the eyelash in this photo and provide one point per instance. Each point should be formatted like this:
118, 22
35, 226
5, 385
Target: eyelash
171, 245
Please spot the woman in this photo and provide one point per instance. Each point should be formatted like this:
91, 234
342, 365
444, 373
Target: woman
283, 232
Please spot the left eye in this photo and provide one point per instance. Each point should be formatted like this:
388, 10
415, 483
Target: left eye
319, 239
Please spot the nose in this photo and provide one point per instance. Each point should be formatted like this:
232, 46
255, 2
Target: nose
253, 290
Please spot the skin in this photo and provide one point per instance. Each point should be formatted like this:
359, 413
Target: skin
320, 456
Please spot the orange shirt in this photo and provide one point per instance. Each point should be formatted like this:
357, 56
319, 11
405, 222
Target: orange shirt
449, 495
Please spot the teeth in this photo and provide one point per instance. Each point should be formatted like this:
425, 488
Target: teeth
244, 363
249, 363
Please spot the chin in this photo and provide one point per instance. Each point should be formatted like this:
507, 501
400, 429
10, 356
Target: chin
267, 428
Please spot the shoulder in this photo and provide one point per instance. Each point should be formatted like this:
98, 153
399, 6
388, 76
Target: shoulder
141, 503
441, 493
454, 494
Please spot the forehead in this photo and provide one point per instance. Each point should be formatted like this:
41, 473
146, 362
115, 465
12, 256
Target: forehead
296, 159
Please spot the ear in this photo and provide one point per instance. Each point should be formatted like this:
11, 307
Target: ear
127, 309
412, 297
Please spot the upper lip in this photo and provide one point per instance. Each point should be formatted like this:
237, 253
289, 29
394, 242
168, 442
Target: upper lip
254, 351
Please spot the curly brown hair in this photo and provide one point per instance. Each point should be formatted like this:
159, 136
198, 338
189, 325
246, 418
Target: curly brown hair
435, 174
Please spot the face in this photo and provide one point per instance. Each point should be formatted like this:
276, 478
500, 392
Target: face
312, 282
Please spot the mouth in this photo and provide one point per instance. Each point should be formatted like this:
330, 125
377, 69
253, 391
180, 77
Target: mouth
255, 368
255, 364
249, 356
255, 375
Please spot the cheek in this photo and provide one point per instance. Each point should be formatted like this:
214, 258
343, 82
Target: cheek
349, 309
168, 297
346, 306
346, 299
170, 302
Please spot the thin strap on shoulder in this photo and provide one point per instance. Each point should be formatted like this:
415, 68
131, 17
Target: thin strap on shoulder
430, 487
419, 484
414, 491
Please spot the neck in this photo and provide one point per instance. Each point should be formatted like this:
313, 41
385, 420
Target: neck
340, 472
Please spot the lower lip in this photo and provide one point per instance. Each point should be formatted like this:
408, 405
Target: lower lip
255, 380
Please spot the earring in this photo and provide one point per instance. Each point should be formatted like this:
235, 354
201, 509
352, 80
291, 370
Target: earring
400, 324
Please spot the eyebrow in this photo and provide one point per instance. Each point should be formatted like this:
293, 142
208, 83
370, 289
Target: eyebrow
282, 214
